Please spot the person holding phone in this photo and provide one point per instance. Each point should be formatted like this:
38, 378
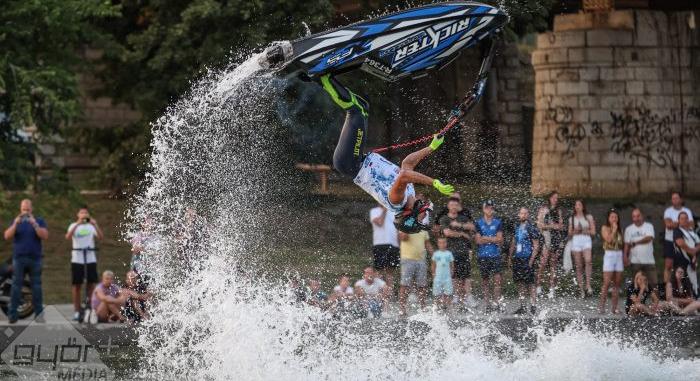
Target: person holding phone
82, 234
26, 232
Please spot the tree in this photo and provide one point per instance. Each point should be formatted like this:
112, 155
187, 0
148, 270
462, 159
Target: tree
159, 48
40, 55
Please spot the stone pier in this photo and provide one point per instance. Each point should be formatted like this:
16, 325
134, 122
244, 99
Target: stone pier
617, 104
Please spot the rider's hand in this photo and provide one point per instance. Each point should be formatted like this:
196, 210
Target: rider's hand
445, 189
437, 141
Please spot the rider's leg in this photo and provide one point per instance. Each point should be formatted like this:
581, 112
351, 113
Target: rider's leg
349, 152
414, 158
405, 177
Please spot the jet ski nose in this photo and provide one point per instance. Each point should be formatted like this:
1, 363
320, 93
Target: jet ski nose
276, 56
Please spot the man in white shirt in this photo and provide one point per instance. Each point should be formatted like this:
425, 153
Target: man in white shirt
372, 291
639, 247
82, 233
671, 222
385, 244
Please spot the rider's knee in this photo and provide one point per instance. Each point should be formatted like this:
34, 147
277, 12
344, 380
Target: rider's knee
341, 164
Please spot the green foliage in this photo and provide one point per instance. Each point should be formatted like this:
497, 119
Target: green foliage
121, 152
40, 54
526, 16
161, 46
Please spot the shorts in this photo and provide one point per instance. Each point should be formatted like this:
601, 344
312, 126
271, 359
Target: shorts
385, 257
463, 267
414, 271
612, 261
442, 287
78, 273
522, 272
581, 242
669, 250
649, 270
489, 266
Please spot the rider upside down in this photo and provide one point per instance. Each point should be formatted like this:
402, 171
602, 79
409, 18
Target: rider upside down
390, 185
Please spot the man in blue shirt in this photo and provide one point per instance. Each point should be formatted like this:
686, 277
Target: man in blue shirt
523, 251
489, 237
26, 233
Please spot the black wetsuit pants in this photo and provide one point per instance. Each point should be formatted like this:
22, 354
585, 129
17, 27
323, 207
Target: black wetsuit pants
350, 150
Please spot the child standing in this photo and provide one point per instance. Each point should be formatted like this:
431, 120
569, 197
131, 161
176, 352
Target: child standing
442, 269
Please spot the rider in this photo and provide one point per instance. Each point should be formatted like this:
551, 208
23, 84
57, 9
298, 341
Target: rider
390, 185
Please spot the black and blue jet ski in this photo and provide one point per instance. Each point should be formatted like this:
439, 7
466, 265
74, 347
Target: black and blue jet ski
393, 46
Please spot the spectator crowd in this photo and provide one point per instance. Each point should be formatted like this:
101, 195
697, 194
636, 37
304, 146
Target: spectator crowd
534, 247
435, 264
103, 301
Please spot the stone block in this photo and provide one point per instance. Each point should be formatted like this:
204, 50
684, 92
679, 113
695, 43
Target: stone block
637, 56
588, 102
669, 87
585, 21
608, 172
542, 75
589, 74
576, 55
572, 88
549, 56
616, 74
606, 87
564, 75
587, 159
646, 29
511, 84
595, 145
647, 74
561, 40
598, 55
608, 37
652, 87
616, 102
600, 116
573, 172
635, 87
608, 158
511, 117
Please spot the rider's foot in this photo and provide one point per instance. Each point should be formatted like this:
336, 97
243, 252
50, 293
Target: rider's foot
445, 189
438, 139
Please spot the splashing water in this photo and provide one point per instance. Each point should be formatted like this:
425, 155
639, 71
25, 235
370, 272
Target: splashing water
216, 181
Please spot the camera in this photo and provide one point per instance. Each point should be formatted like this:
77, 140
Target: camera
86, 220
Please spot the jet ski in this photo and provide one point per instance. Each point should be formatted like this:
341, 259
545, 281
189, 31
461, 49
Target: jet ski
397, 45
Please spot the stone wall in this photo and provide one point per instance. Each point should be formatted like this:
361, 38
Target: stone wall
617, 99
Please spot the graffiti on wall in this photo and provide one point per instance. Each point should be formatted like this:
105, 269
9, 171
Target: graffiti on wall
641, 134
636, 132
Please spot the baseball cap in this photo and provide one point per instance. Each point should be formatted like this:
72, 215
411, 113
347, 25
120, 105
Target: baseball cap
489, 203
